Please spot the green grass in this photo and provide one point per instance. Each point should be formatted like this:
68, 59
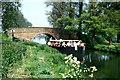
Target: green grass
31, 60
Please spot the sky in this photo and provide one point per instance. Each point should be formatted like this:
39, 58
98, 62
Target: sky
35, 12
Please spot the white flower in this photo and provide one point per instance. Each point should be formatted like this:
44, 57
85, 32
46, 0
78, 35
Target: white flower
71, 76
73, 65
91, 75
76, 71
72, 69
66, 61
88, 69
62, 75
71, 60
80, 70
70, 56
74, 74
66, 58
94, 68
75, 59
78, 62
78, 66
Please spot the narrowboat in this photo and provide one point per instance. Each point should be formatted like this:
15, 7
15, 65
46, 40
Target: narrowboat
76, 46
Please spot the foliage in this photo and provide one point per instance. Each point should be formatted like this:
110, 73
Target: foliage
12, 16
65, 15
31, 60
94, 19
11, 53
42, 47
110, 48
73, 70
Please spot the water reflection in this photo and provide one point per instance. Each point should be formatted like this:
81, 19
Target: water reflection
106, 63
40, 39
97, 57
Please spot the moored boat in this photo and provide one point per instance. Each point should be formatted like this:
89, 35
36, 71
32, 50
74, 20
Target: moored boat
68, 46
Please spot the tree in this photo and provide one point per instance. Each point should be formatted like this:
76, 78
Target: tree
90, 21
12, 16
56, 13
79, 15
110, 19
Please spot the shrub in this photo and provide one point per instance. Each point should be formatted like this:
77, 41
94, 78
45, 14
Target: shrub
31, 43
73, 70
11, 53
108, 48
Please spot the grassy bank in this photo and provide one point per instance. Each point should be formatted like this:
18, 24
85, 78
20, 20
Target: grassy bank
115, 48
31, 60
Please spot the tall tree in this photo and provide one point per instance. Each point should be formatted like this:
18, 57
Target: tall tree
56, 13
90, 21
110, 19
79, 15
12, 16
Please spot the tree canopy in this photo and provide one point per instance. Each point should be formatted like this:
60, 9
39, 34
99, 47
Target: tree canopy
12, 16
92, 19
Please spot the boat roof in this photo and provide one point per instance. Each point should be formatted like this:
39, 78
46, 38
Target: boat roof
64, 40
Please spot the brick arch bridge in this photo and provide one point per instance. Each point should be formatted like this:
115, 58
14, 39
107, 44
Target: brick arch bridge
30, 32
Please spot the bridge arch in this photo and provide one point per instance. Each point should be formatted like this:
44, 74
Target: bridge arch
42, 38
47, 34
30, 32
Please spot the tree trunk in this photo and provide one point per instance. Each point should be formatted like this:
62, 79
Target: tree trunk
110, 41
79, 28
93, 39
118, 37
70, 13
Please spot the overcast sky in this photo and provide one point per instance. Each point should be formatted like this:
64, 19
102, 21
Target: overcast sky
35, 12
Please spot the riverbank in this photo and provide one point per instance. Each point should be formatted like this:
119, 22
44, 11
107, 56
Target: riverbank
115, 48
34, 60
31, 60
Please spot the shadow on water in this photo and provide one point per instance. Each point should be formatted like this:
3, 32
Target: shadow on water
106, 63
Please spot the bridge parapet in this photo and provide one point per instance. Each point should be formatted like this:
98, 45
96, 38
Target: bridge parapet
30, 32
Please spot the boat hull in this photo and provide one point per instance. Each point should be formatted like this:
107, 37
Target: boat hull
69, 50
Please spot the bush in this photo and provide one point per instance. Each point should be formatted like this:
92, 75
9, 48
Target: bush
108, 48
99, 39
31, 43
11, 53
73, 70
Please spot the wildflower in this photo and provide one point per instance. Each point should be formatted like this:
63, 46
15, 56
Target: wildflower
71, 76
78, 62
88, 69
78, 66
66, 58
66, 61
71, 60
91, 75
80, 70
70, 56
94, 68
74, 74
72, 69
73, 65
75, 59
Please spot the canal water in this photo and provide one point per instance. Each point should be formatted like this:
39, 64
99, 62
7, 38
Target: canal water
40, 39
107, 63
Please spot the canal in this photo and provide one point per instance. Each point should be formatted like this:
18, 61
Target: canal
106, 63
